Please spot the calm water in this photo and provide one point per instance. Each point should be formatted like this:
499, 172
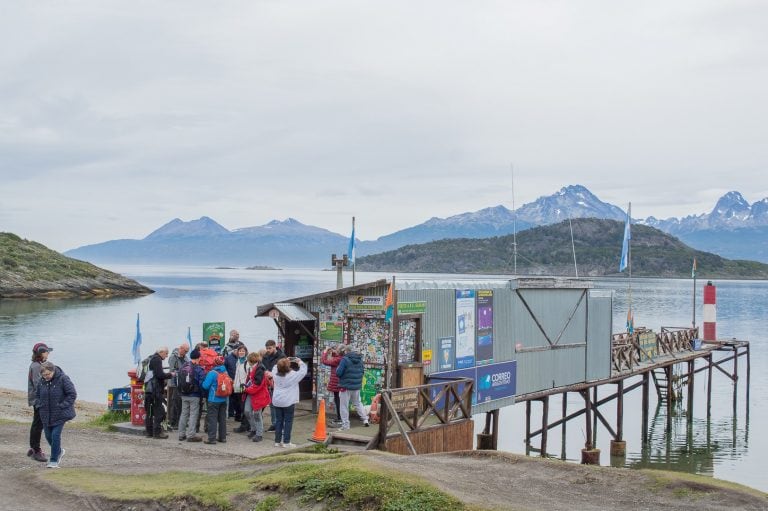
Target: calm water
92, 341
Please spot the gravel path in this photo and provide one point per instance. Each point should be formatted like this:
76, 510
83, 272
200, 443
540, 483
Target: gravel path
487, 479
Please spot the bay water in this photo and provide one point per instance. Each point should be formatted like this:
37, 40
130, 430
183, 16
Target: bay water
92, 342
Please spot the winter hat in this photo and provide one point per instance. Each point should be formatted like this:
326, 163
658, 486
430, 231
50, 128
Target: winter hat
41, 347
195, 354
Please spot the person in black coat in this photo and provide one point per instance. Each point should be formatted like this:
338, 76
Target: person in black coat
271, 356
154, 394
55, 399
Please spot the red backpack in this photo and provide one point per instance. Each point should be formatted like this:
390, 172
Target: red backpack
224, 385
207, 359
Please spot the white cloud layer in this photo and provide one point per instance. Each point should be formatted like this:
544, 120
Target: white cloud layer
116, 117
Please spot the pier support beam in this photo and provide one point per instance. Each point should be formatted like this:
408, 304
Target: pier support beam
489, 438
646, 405
589, 455
618, 445
544, 425
691, 372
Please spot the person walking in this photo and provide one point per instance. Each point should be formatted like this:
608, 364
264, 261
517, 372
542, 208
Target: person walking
175, 361
272, 355
350, 372
331, 358
256, 396
285, 396
190, 380
55, 398
154, 394
40, 353
216, 414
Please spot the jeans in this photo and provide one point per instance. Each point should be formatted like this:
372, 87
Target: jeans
217, 416
174, 406
351, 396
190, 410
283, 423
255, 419
53, 435
36, 431
337, 402
154, 407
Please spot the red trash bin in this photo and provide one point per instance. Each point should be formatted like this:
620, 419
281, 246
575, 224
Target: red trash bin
137, 400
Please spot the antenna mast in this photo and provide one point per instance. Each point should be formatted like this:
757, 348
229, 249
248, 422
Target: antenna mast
514, 220
573, 248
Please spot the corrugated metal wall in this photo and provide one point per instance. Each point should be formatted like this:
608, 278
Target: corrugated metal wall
599, 334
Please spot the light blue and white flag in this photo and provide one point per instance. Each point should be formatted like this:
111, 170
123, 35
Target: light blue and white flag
136, 348
351, 248
627, 237
189, 337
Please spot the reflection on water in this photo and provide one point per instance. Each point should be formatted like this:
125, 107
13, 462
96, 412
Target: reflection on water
92, 342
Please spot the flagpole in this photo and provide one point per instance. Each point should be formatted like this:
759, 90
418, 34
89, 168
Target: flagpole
354, 258
629, 264
693, 274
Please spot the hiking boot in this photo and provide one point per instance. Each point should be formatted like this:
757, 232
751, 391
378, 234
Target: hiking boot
271, 428
222, 440
240, 429
195, 438
209, 442
182, 438
257, 438
161, 435
30, 452
251, 434
39, 455
148, 434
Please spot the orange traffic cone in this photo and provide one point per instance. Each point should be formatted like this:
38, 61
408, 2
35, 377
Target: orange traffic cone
319, 435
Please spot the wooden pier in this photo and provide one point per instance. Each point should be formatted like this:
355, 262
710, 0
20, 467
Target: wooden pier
668, 360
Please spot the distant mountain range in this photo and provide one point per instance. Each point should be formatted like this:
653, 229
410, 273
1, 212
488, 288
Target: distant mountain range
548, 250
733, 229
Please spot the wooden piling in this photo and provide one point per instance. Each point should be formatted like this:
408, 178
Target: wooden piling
646, 406
691, 372
544, 425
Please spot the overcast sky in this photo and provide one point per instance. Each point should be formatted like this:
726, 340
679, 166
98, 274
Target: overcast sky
116, 117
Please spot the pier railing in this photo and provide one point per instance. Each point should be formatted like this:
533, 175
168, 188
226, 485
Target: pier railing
629, 350
414, 411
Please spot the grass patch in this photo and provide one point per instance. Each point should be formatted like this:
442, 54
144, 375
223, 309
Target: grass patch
207, 489
108, 419
317, 452
348, 483
683, 485
271, 503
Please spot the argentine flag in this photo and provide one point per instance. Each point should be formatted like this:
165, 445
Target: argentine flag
351, 248
627, 237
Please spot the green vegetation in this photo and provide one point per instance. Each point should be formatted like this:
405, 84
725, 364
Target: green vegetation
692, 486
29, 269
547, 251
345, 483
108, 419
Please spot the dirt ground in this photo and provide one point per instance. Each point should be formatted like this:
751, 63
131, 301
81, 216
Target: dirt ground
488, 480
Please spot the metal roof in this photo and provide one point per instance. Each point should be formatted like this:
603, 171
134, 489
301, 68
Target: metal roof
293, 312
262, 310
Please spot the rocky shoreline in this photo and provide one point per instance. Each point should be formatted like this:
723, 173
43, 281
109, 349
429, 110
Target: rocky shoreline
104, 287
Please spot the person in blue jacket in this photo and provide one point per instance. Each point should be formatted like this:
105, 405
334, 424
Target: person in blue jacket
350, 372
55, 397
216, 415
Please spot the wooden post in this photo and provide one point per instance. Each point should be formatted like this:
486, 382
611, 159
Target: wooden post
691, 371
594, 416
528, 423
618, 445
589, 455
646, 406
709, 385
544, 425
562, 431
670, 391
749, 368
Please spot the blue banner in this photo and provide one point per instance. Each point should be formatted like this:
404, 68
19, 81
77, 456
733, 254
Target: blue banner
496, 381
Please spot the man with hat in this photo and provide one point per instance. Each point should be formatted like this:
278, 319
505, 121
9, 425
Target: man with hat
40, 353
190, 396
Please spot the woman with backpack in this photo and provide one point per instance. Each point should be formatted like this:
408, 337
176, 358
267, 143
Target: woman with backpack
285, 396
256, 395
55, 397
218, 384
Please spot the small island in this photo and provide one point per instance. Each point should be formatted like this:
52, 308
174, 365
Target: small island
31, 270
259, 267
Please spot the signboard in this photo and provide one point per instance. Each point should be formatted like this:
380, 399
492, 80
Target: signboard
213, 334
484, 326
465, 328
365, 303
373, 382
404, 399
426, 357
496, 381
445, 362
332, 331
648, 346
411, 308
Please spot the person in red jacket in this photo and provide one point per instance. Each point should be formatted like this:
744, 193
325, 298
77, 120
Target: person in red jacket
331, 358
256, 395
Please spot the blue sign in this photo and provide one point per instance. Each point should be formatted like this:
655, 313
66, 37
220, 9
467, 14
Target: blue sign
496, 381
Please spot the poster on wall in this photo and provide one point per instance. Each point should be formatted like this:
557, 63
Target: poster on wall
484, 326
332, 331
496, 381
465, 328
445, 360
